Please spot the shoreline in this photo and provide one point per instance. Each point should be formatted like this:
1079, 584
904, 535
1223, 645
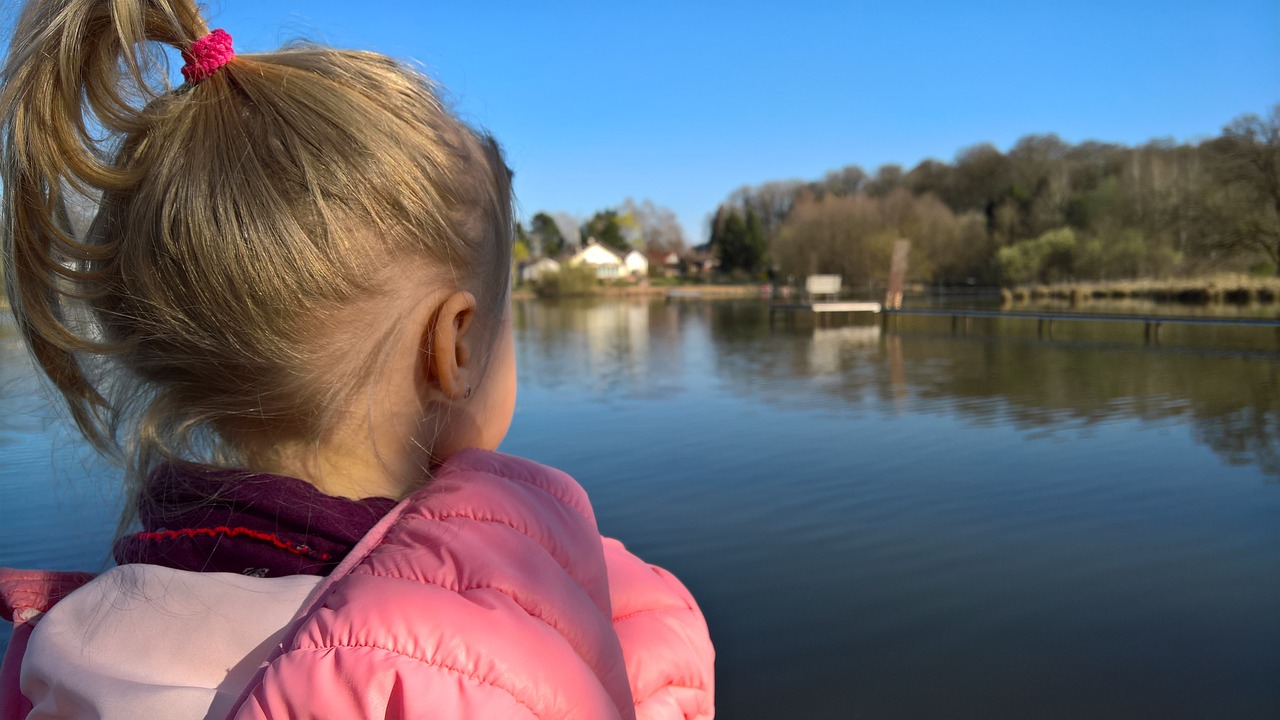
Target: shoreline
684, 292
1220, 289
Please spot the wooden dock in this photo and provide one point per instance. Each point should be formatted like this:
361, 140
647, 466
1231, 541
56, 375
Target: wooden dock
820, 298
827, 307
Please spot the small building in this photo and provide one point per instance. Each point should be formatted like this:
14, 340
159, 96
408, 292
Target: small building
822, 286
701, 262
636, 264
664, 261
535, 270
607, 263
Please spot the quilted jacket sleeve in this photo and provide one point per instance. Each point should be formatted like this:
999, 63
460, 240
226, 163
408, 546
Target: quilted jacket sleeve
24, 596
669, 656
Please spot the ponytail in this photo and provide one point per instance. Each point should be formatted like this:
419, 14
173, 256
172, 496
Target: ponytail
236, 217
73, 73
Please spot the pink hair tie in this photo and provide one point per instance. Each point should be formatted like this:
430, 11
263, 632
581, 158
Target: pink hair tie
207, 55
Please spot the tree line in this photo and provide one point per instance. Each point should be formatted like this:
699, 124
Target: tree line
1045, 211
630, 226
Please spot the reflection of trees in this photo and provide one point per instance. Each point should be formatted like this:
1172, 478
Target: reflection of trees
1004, 375
1244, 437
607, 347
1232, 400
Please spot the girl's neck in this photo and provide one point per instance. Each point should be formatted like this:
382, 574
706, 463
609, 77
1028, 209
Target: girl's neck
353, 471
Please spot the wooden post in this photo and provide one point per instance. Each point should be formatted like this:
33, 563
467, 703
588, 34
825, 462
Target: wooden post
1151, 332
897, 273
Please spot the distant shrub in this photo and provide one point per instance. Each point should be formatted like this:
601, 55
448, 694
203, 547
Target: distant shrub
1048, 258
571, 281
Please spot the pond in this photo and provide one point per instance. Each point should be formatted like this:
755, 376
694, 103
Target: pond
916, 520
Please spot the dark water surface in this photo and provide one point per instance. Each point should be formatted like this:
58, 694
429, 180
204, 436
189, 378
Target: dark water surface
912, 523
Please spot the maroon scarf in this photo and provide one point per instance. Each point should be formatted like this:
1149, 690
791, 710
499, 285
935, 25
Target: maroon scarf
206, 520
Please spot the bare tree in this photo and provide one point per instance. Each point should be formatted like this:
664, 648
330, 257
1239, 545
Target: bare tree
568, 225
1248, 164
657, 226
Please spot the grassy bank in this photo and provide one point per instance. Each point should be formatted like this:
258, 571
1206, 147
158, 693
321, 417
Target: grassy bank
1233, 289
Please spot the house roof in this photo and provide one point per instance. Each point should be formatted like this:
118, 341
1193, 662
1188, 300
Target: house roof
592, 242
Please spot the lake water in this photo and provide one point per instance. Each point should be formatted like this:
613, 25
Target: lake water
912, 522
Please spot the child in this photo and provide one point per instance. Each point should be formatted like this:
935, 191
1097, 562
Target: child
288, 319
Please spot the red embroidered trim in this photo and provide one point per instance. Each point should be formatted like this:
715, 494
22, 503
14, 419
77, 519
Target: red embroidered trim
233, 532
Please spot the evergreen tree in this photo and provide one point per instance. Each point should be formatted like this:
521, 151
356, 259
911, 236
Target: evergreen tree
731, 245
549, 240
755, 243
605, 227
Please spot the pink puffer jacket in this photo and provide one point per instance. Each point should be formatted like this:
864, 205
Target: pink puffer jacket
489, 594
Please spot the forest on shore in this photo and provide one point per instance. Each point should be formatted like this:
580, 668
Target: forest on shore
1046, 211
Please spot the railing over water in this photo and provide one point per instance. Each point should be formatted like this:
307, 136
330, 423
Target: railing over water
1045, 320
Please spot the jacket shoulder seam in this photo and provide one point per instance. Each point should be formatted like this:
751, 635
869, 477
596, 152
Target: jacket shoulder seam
671, 686
524, 477
492, 520
459, 589
650, 611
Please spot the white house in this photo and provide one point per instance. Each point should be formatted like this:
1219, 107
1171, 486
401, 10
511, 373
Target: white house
607, 263
636, 264
536, 269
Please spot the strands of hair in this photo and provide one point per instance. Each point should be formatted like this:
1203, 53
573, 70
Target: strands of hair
236, 220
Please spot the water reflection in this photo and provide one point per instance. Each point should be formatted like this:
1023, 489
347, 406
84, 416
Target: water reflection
916, 522
830, 344
601, 348
58, 500
1232, 398
1224, 381
907, 522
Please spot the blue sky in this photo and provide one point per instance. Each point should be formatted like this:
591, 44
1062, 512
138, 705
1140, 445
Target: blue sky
683, 102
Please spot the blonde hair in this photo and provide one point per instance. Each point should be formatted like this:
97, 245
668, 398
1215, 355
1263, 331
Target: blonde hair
237, 218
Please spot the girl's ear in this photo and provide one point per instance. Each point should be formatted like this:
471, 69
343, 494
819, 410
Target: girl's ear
447, 353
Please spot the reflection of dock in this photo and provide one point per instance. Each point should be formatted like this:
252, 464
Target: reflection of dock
821, 310
830, 350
